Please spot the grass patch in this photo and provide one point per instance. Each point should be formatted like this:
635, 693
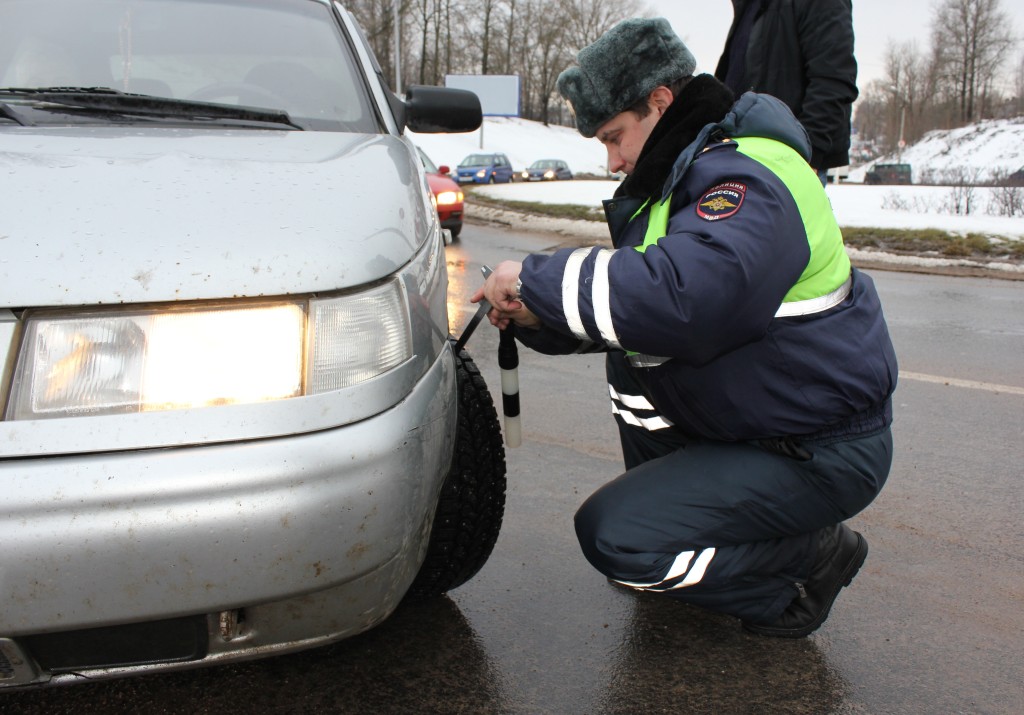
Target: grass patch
932, 240
568, 211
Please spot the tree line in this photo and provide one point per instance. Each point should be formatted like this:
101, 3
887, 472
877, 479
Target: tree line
534, 39
966, 74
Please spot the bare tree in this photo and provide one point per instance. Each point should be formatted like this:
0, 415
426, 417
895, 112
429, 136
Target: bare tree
376, 17
534, 39
587, 20
510, 30
1018, 86
488, 8
903, 103
972, 38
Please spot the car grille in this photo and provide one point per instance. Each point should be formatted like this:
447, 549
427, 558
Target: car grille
169, 641
6, 669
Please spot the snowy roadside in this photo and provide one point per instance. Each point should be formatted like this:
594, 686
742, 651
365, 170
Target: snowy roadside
569, 232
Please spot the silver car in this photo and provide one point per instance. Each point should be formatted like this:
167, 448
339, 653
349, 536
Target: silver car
233, 422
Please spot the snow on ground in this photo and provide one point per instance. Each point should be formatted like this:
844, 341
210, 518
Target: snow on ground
976, 152
854, 204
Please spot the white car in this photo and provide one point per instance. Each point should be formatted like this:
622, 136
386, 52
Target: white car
233, 423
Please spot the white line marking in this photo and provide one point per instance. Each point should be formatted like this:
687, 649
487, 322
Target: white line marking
969, 384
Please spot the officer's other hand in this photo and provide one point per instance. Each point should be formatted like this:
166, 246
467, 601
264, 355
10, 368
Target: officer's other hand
500, 291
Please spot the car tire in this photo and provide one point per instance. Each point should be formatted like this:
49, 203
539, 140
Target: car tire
456, 230
471, 505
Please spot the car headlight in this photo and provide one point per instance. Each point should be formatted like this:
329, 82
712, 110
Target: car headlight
447, 198
526, 175
481, 174
177, 357
549, 174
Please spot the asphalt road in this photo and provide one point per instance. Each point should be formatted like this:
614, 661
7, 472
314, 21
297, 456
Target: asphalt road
932, 624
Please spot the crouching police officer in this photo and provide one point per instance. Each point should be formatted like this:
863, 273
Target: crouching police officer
749, 365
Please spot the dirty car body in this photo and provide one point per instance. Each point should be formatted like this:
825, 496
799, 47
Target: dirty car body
229, 399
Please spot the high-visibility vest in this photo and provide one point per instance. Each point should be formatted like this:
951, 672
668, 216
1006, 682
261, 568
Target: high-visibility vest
825, 281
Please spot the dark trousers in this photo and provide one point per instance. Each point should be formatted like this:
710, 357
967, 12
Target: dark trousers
728, 526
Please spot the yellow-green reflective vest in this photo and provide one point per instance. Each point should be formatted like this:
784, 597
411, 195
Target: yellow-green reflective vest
828, 269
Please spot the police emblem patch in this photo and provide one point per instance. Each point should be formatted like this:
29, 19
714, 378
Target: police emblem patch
721, 201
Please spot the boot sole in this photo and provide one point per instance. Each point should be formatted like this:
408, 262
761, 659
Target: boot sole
860, 554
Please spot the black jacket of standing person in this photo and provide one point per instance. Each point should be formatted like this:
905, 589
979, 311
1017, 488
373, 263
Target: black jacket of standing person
800, 51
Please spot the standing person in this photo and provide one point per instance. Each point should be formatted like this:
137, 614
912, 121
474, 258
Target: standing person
800, 51
749, 366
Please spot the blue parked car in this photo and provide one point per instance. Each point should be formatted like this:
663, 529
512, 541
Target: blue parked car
485, 169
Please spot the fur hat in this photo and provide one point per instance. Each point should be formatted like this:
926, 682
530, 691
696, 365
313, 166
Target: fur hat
623, 66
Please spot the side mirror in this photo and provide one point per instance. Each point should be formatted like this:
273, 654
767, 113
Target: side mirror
436, 110
444, 169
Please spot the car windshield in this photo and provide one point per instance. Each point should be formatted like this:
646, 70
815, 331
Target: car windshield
283, 55
477, 160
544, 164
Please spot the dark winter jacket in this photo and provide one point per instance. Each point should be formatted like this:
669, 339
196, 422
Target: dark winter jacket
693, 315
801, 51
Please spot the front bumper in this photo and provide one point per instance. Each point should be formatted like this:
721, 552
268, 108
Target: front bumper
450, 219
280, 544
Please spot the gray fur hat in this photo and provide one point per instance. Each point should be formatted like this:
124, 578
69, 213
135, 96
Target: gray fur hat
623, 66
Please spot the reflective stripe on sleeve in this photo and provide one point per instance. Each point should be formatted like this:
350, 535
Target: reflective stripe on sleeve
570, 292
601, 296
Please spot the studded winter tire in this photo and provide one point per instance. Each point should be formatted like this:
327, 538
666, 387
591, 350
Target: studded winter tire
472, 501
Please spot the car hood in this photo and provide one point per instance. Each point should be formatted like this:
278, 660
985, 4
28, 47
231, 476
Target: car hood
103, 215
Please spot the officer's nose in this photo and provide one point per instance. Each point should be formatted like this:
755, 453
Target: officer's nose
615, 161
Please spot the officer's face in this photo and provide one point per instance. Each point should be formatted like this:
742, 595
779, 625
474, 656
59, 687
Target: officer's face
625, 134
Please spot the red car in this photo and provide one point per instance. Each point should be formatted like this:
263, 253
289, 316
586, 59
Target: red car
448, 197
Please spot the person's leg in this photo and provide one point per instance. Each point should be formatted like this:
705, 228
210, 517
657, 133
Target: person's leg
728, 526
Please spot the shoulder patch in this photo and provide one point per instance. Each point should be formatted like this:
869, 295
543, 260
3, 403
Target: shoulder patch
721, 201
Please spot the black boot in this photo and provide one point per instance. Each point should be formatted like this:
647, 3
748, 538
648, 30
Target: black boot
841, 552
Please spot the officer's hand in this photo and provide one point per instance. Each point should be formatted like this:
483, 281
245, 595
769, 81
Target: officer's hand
500, 291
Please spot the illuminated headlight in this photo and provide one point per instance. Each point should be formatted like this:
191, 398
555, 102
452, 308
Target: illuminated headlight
447, 198
481, 174
120, 361
549, 174
526, 175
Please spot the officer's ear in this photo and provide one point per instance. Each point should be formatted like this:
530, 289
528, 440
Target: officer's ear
660, 99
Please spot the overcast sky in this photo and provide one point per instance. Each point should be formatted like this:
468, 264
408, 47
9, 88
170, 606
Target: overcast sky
704, 25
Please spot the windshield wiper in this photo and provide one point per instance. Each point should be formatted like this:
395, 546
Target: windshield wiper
104, 99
